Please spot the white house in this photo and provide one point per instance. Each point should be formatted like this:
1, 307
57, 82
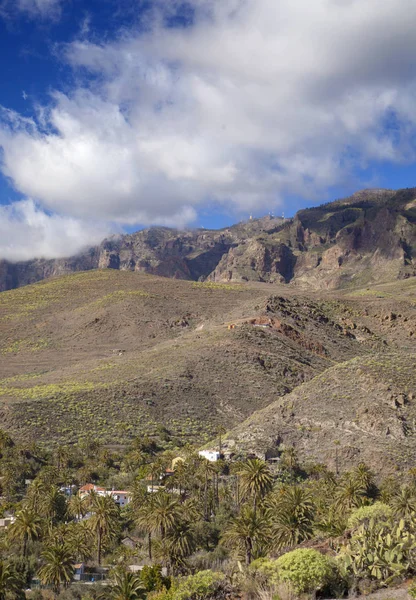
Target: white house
152, 489
120, 497
138, 568
211, 455
7, 521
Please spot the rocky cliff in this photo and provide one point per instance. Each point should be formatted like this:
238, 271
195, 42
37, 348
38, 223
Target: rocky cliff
366, 238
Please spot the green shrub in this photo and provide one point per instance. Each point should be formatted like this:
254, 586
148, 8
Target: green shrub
152, 578
377, 511
204, 585
201, 586
305, 570
268, 570
163, 594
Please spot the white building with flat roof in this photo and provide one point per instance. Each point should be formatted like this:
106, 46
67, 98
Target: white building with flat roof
211, 455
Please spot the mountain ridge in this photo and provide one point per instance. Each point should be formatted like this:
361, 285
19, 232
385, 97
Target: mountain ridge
367, 237
286, 333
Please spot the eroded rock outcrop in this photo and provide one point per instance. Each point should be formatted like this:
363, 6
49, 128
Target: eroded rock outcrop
366, 238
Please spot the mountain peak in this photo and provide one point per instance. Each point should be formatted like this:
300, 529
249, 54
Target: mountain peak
367, 237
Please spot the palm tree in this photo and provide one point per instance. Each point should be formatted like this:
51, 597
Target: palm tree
332, 522
192, 509
207, 469
350, 494
256, 479
363, 476
10, 479
62, 455
57, 568
35, 494
155, 470
289, 459
221, 431
126, 586
181, 542
165, 512
76, 507
54, 505
403, 502
27, 527
180, 478
79, 539
144, 520
291, 515
388, 489
248, 533
50, 475
9, 582
90, 448
103, 520
133, 460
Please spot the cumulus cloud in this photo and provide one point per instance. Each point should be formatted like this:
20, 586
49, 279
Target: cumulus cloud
32, 8
27, 231
257, 99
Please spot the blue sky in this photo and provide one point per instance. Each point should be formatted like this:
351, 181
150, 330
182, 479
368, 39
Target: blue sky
121, 114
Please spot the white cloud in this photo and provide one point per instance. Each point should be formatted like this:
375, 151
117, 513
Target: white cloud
33, 8
256, 100
27, 231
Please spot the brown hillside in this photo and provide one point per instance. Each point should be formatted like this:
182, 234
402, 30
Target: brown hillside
363, 409
115, 354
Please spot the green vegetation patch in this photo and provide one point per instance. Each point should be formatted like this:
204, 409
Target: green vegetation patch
211, 285
26, 300
25, 345
116, 297
51, 390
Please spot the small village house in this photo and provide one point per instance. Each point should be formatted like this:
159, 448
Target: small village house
211, 455
120, 497
6, 522
79, 570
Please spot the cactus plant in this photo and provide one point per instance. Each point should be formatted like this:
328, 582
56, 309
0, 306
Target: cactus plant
380, 550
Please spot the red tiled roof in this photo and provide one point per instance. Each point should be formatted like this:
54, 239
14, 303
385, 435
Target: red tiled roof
89, 487
86, 488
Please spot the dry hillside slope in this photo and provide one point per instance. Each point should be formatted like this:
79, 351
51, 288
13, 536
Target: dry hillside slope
115, 354
362, 409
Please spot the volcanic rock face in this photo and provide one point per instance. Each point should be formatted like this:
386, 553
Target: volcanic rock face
13, 275
366, 238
